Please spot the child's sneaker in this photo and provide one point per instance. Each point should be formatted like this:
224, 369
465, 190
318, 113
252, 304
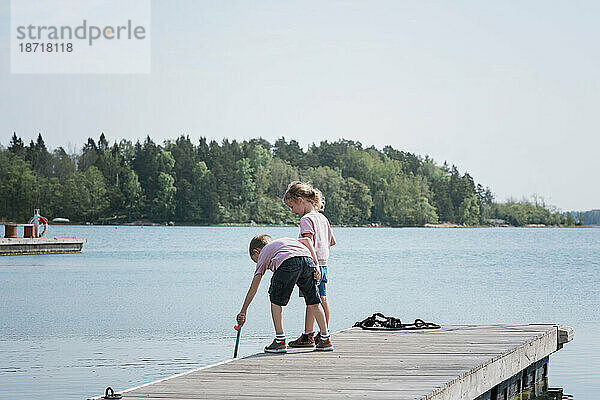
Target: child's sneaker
303, 341
278, 346
324, 345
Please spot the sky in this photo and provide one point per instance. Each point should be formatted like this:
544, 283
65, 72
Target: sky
507, 91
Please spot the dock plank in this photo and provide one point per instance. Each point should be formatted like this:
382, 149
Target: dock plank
455, 362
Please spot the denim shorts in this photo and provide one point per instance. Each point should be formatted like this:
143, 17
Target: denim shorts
321, 284
294, 271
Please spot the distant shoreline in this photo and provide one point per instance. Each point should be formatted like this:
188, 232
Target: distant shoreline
244, 225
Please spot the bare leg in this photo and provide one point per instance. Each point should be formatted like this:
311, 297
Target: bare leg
277, 314
326, 310
309, 318
317, 311
309, 321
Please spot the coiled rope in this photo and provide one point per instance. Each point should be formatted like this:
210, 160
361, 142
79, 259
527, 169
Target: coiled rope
378, 321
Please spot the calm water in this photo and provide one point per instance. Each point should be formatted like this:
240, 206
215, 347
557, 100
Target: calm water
141, 304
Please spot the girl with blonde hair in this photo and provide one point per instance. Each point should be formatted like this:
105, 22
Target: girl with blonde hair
306, 201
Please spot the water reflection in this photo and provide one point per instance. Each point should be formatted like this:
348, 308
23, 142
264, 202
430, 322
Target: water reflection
555, 394
542, 392
520, 387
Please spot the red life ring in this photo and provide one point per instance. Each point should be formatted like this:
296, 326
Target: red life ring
42, 221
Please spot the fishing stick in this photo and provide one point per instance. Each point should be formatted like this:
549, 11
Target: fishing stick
238, 328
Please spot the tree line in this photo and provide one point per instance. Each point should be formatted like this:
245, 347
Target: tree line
591, 217
239, 182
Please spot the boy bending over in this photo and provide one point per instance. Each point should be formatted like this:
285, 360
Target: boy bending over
291, 261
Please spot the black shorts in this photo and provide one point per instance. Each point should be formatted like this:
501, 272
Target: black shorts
294, 271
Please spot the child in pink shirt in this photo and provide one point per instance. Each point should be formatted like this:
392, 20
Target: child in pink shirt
291, 261
306, 201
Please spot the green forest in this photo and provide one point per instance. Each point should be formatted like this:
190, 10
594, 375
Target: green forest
243, 182
591, 217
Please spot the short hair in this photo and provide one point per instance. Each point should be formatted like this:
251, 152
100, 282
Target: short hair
299, 189
258, 242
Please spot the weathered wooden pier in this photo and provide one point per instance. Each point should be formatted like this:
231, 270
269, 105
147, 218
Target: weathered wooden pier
33, 243
456, 362
23, 246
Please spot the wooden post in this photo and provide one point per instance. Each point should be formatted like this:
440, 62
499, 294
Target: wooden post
10, 230
28, 231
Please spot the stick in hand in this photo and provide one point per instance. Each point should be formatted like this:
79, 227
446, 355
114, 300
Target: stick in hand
238, 328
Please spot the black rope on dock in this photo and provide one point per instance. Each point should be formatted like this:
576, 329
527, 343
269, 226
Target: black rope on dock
378, 321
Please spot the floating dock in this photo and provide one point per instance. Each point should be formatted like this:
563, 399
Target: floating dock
23, 246
456, 362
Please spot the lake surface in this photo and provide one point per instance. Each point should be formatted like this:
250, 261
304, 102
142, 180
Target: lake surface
142, 303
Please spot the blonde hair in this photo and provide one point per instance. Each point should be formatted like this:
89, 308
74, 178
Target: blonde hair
299, 189
258, 242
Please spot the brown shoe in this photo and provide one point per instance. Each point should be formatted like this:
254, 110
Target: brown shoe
317, 337
278, 346
303, 341
324, 345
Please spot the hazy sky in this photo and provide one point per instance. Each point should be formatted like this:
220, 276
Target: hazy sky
509, 92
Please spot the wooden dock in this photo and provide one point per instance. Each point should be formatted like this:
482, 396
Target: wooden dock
453, 363
24, 246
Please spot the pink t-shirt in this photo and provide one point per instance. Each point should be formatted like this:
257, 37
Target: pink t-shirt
317, 224
273, 254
